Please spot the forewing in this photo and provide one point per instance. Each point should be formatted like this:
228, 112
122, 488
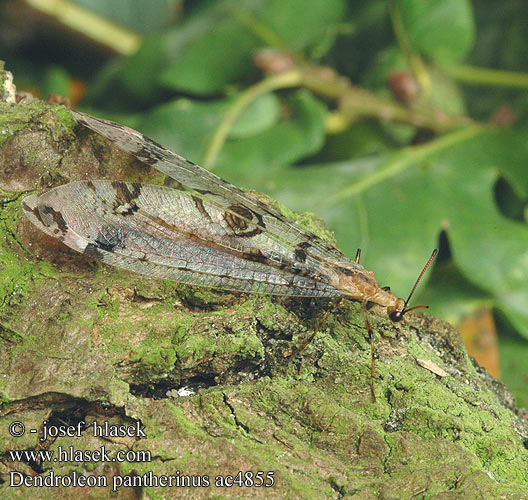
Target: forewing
219, 192
171, 234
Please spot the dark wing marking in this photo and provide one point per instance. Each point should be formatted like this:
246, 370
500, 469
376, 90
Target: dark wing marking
169, 235
209, 186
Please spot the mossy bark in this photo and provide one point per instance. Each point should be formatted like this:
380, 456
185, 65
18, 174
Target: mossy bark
215, 378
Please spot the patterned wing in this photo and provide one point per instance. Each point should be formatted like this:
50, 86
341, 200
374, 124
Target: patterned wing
172, 234
219, 192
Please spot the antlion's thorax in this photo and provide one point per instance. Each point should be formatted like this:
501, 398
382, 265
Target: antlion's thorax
359, 283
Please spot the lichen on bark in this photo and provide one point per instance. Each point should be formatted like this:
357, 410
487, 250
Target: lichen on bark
215, 377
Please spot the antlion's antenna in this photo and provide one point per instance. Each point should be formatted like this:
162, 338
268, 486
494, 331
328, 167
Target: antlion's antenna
398, 315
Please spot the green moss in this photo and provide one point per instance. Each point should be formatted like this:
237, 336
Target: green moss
16, 117
17, 273
65, 119
194, 348
2, 76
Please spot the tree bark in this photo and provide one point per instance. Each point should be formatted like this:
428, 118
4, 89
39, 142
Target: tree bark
214, 379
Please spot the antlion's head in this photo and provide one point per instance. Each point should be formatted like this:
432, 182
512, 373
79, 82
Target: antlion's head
359, 284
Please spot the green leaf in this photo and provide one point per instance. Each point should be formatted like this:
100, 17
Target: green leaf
139, 73
260, 114
359, 139
441, 29
301, 23
446, 94
213, 60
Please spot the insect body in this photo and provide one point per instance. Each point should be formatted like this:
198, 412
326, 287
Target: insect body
208, 232
204, 232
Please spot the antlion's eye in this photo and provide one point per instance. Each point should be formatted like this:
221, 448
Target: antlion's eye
396, 316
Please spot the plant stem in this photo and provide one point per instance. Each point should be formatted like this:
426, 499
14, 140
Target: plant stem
484, 76
356, 103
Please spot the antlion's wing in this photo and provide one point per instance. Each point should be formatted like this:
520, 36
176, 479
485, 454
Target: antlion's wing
212, 188
172, 234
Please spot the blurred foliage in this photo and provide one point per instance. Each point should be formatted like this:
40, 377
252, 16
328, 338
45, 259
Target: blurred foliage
401, 122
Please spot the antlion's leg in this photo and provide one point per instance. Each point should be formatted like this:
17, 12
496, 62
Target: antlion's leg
318, 327
372, 352
371, 338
